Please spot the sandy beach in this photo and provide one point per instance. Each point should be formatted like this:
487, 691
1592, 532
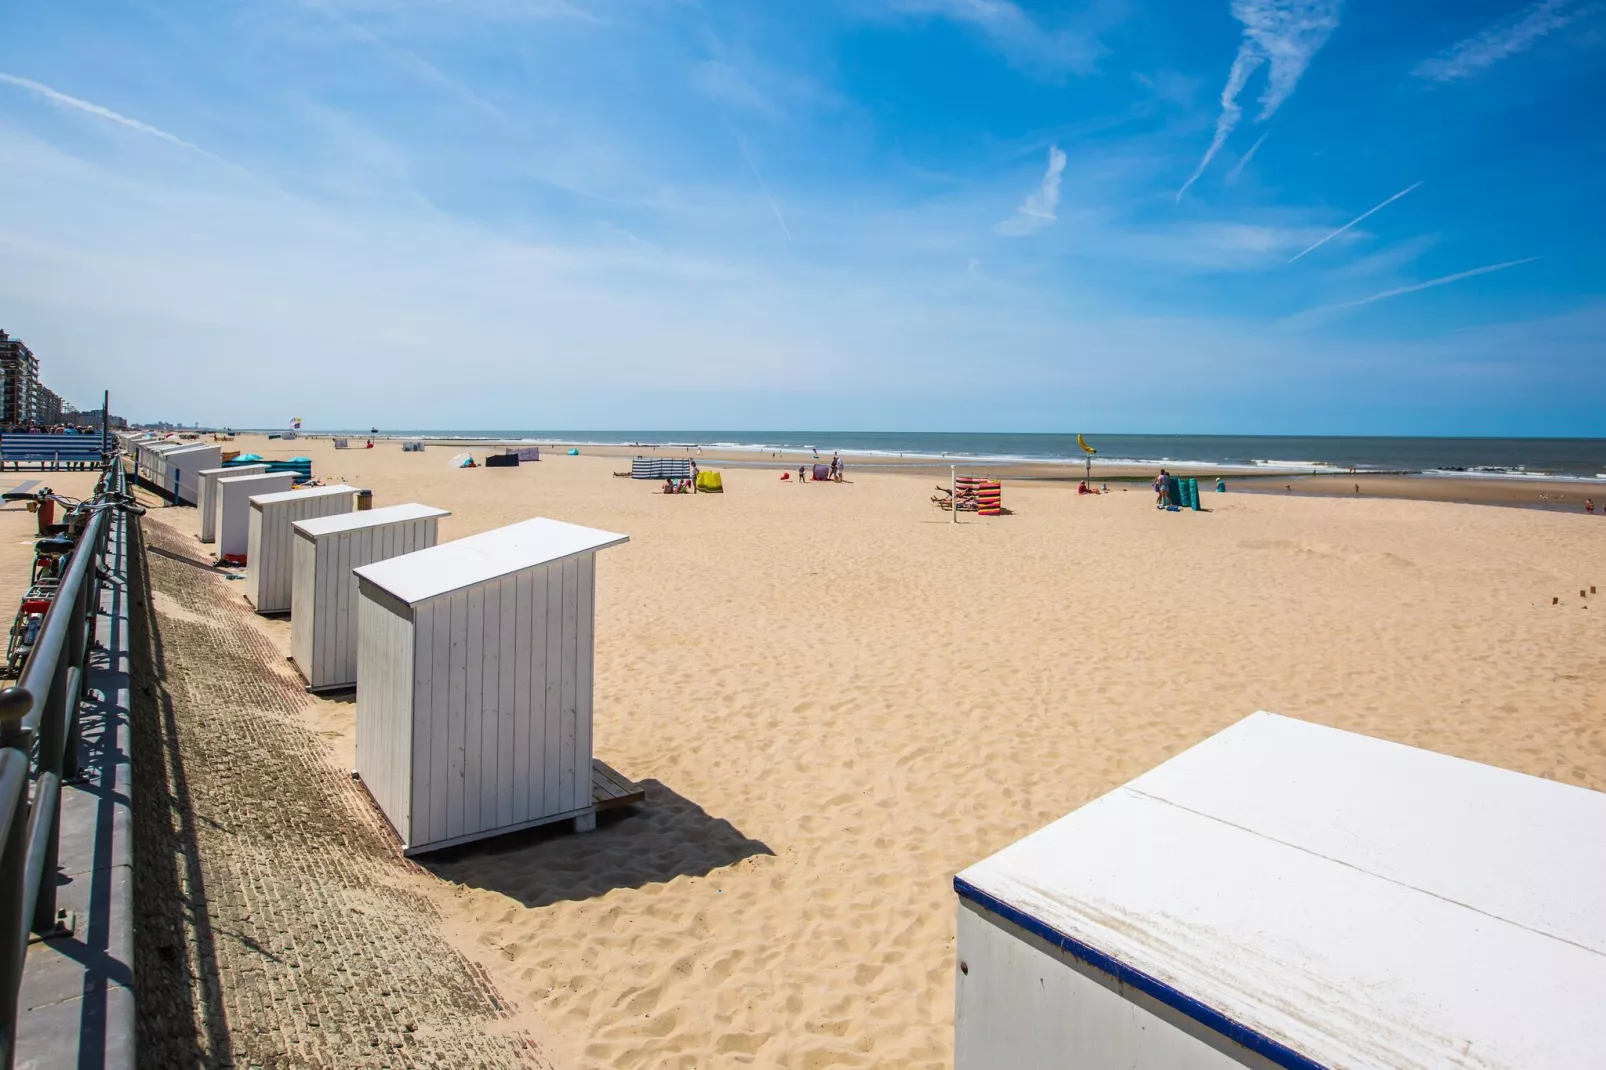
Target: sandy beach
837, 699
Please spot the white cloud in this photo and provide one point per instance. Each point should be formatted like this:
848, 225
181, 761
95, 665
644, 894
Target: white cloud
724, 84
1505, 38
1284, 34
1037, 210
1024, 41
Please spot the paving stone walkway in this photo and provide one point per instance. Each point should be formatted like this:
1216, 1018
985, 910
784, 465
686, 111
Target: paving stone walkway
276, 927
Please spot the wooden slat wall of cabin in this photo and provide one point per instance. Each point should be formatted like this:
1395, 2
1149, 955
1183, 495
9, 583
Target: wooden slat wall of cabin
384, 712
273, 587
457, 668
585, 625
552, 691
483, 798
440, 744
527, 741
474, 755
253, 551
304, 599
345, 553
568, 729
508, 696
423, 759
502, 700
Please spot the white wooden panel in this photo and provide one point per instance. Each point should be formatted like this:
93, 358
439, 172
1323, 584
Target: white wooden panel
454, 714
423, 794
552, 727
474, 752
512, 653
385, 712
529, 617
182, 470
490, 707
1021, 1008
208, 505
440, 723
253, 553
234, 508
585, 625
268, 562
568, 729
304, 597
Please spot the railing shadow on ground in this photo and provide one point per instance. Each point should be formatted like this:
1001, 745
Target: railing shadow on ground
177, 1026
653, 842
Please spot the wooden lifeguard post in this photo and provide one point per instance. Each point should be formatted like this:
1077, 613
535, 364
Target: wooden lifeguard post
1290, 895
474, 683
323, 598
269, 565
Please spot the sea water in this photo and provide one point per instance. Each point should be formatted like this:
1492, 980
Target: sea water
1510, 458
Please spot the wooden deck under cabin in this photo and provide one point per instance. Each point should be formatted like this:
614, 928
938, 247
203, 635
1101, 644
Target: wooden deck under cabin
609, 789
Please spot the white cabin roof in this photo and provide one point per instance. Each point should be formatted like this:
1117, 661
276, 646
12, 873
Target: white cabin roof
254, 475
242, 469
372, 518
275, 497
190, 446
1355, 902
451, 566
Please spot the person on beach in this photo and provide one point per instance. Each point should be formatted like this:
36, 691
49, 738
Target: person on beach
1589, 505
802, 473
1161, 485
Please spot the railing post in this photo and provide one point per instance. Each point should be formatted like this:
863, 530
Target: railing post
78, 658
52, 727
15, 702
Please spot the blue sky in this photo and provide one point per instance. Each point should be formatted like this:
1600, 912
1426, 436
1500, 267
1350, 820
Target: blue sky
1128, 215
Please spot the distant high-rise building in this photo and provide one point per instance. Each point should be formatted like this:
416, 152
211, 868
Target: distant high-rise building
19, 383
50, 407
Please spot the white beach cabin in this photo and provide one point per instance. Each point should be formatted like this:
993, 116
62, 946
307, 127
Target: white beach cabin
182, 467
323, 597
148, 460
474, 676
234, 507
210, 478
1290, 895
269, 562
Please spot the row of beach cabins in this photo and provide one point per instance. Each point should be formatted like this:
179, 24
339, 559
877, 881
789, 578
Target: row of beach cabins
1282, 894
471, 659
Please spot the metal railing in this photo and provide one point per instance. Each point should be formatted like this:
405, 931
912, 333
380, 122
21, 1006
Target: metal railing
39, 745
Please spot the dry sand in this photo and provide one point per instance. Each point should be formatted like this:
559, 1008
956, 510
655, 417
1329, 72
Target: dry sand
838, 700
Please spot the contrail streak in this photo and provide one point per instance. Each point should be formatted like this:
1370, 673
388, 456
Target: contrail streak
1441, 281
779, 218
1356, 220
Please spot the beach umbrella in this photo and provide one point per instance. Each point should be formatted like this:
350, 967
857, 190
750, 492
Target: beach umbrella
460, 460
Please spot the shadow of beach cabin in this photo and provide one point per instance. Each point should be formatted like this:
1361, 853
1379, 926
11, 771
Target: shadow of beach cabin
653, 842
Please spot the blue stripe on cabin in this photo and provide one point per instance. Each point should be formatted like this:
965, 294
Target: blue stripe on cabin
1264, 1046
